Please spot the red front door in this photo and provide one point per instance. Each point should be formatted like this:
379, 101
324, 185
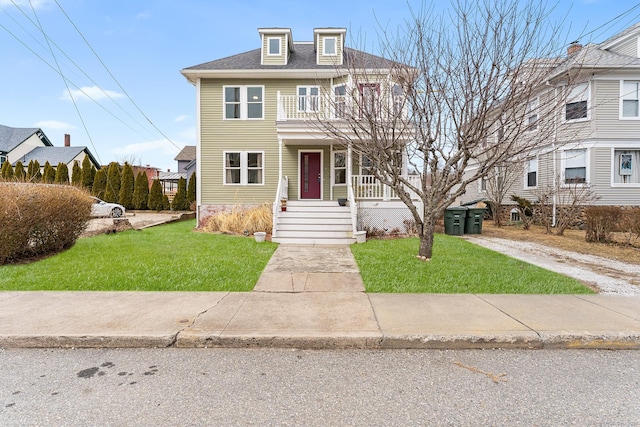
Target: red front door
310, 176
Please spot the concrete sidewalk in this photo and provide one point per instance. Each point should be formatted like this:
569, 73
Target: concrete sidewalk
313, 297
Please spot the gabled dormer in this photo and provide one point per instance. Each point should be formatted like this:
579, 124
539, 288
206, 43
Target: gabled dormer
277, 44
625, 43
329, 45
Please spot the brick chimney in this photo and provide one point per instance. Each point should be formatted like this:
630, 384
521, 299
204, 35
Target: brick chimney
67, 140
574, 47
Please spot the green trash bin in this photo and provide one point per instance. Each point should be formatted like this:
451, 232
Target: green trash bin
473, 221
454, 218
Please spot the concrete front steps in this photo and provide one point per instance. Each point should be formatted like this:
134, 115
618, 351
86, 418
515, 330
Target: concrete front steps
314, 223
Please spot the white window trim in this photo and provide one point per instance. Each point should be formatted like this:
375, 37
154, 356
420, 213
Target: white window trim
620, 116
279, 39
244, 103
526, 173
333, 168
360, 165
536, 110
613, 169
480, 190
588, 97
307, 100
244, 168
563, 163
324, 44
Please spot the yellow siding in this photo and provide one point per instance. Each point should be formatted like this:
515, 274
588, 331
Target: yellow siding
333, 59
274, 59
218, 135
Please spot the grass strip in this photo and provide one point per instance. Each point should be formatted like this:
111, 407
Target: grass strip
170, 257
457, 266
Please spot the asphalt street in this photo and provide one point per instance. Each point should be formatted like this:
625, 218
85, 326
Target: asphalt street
193, 387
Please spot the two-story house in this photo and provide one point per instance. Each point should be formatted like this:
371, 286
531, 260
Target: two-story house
595, 142
31, 144
259, 139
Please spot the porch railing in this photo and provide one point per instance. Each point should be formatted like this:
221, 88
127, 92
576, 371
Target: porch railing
299, 107
367, 187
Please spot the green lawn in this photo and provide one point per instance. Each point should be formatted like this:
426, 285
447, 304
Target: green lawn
171, 257
457, 267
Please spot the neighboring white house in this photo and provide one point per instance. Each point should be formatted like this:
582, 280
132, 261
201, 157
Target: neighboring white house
27, 144
596, 141
257, 142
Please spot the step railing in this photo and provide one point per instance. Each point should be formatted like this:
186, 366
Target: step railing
368, 187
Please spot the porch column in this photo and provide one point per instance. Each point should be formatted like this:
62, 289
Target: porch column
279, 161
349, 164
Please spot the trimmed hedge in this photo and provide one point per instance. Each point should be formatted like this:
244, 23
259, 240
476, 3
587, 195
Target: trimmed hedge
38, 220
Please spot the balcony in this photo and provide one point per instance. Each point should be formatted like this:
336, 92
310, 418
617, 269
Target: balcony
294, 107
367, 187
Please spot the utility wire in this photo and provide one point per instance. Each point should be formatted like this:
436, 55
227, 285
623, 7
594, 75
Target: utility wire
49, 40
114, 78
55, 59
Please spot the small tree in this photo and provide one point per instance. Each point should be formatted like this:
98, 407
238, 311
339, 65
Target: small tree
180, 202
166, 204
49, 174
33, 172
112, 190
76, 174
141, 191
127, 186
99, 183
62, 174
191, 189
155, 196
525, 209
7, 171
498, 182
572, 198
88, 172
19, 172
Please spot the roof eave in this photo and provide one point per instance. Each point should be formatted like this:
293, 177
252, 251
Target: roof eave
193, 75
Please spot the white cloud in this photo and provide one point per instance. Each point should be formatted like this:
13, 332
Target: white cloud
189, 134
93, 92
181, 118
161, 146
55, 124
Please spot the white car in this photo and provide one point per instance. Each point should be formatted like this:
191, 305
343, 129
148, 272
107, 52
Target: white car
102, 208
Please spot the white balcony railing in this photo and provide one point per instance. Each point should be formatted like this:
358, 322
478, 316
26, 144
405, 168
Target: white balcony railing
294, 107
367, 187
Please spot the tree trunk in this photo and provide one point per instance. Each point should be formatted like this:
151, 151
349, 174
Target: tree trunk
495, 210
426, 238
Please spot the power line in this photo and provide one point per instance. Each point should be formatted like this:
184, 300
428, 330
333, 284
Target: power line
113, 77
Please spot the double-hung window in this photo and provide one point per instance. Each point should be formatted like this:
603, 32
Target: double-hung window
340, 94
308, 98
575, 166
339, 167
577, 103
531, 170
243, 102
243, 167
630, 91
366, 166
532, 115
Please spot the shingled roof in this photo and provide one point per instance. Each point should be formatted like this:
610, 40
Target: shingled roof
187, 154
303, 57
55, 155
10, 137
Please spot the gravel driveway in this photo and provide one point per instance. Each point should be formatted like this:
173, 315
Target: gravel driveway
607, 276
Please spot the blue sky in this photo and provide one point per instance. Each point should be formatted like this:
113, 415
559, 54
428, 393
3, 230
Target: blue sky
145, 43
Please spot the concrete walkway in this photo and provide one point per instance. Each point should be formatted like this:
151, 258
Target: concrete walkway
313, 297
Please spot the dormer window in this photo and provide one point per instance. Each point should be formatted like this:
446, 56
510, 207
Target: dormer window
329, 46
274, 46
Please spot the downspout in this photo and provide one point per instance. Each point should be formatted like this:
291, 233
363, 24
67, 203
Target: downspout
198, 154
555, 166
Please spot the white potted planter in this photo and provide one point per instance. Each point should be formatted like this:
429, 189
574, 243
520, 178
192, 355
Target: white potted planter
361, 236
259, 236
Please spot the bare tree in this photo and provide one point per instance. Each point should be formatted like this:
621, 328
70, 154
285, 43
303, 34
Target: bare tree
453, 99
498, 183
